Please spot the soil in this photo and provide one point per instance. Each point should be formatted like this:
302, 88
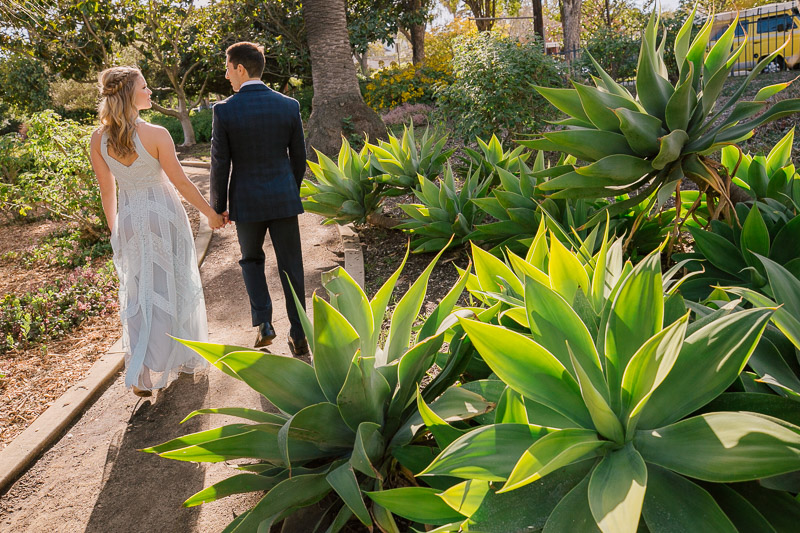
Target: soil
95, 479
36, 376
197, 152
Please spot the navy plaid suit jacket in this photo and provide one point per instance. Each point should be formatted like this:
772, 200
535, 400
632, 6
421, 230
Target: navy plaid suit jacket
258, 155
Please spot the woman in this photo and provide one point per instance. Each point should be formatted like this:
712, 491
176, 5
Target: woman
159, 283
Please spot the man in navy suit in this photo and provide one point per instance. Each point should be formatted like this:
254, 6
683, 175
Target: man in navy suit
258, 159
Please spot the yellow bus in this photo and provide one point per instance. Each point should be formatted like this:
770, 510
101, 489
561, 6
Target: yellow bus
766, 27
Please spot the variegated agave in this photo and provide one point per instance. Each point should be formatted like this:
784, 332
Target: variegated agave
650, 142
346, 424
613, 414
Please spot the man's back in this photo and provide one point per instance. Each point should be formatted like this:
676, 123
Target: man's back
258, 132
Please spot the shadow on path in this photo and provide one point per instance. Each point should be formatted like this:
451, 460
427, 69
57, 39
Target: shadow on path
133, 496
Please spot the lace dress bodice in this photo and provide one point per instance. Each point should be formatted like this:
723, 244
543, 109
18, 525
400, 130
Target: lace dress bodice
160, 291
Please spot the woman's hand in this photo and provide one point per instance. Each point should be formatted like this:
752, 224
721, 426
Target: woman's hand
216, 221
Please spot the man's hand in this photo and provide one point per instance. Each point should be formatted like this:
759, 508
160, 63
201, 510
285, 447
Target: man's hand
227, 219
216, 221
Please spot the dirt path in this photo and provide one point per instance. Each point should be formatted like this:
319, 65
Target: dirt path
94, 480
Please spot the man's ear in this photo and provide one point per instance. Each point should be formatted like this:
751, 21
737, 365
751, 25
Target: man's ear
242, 71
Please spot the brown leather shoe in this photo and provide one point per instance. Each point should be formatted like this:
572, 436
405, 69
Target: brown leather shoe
299, 348
265, 335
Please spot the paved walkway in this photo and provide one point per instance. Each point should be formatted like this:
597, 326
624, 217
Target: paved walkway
95, 480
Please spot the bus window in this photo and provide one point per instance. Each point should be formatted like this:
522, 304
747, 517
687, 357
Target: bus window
779, 23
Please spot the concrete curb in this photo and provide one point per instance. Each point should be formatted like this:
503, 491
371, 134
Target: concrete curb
195, 163
26, 447
353, 255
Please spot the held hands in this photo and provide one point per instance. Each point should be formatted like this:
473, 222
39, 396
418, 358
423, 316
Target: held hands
217, 221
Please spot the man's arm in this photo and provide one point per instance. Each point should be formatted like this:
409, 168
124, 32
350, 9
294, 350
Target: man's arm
297, 148
220, 164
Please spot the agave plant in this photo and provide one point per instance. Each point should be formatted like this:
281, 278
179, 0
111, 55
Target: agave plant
346, 423
446, 216
345, 191
728, 255
492, 157
778, 365
399, 161
650, 142
598, 426
771, 176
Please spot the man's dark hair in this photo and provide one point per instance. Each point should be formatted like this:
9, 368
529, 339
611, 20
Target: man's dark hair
250, 55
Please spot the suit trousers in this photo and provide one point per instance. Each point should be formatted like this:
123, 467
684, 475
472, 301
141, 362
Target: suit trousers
285, 236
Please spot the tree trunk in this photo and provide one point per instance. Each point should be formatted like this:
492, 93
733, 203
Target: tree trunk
188, 129
571, 24
417, 32
362, 62
538, 20
337, 98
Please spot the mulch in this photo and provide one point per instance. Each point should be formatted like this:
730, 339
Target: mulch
39, 374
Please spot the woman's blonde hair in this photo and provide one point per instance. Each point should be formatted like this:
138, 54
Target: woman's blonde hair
117, 110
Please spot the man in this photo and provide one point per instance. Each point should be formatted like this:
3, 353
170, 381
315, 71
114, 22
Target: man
258, 132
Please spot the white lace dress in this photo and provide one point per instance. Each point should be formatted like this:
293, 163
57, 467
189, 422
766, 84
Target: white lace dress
160, 293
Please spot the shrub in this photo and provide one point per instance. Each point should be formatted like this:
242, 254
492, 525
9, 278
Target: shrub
619, 54
201, 122
492, 90
24, 83
49, 169
55, 309
396, 85
67, 249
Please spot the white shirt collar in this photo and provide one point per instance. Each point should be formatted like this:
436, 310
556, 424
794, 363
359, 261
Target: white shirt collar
252, 82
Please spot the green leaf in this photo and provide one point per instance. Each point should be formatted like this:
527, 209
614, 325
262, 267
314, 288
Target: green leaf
381, 300
598, 106
755, 237
671, 148
566, 100
288, 383
719, 251
233, 485
681, 105
349, 299
443, 432
767, 404
552, 322
635, 316
404, 316
596, 398
785, 287
673, 503
616, 490
466, 497
418, 504
367, 449
742, 513
780, 155
293, 493
490, 270
649, 367
410, 371
573, 512
487, 452
724, 447
589, 145
529, 369
710, 360
779, 508
530, 506
335, 344
566, 272
620, 168
444, 308
641, 130
250, 414
510, 408
214, 352
364, 394
551, 452
343, 481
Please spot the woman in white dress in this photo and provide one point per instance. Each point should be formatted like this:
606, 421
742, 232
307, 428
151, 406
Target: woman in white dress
159, 284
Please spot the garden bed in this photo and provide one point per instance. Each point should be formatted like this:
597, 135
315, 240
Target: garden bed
35, 375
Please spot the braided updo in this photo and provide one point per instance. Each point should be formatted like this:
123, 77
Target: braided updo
117, 110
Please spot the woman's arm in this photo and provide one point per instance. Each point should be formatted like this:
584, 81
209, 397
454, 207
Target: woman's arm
108, 189
174, 171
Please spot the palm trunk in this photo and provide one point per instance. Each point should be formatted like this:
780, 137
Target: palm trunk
571, 24
538, 19
337, 98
